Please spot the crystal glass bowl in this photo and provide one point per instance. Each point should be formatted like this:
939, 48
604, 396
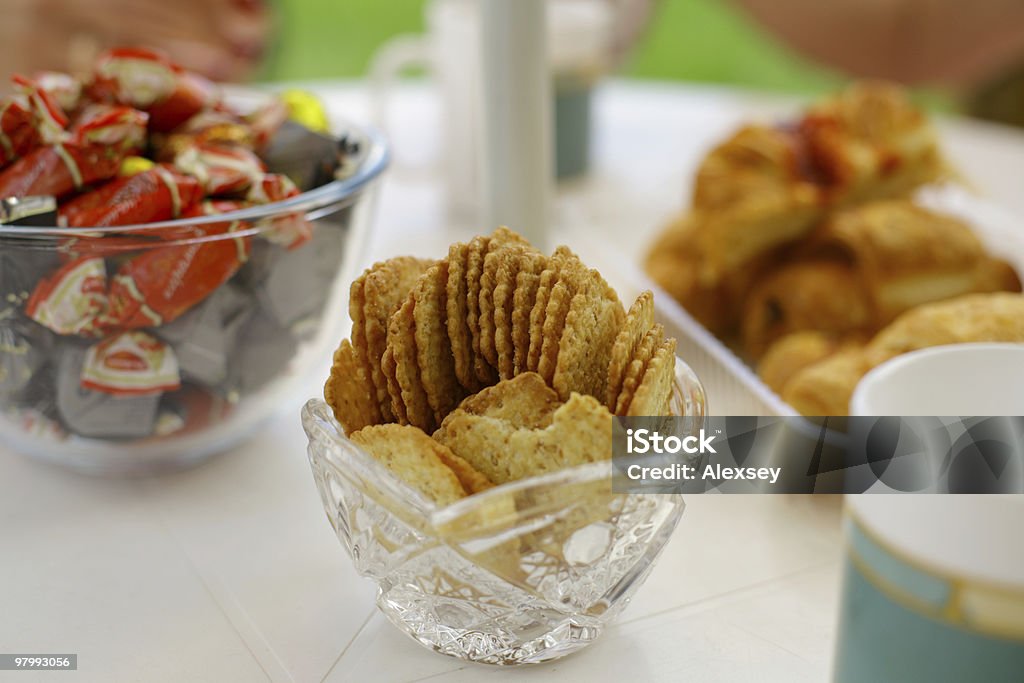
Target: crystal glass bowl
523, 573
241, 347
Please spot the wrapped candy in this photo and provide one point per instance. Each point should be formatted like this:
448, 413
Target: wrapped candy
221, 169
203, 337
70, 300
159, 194
64, 89
157, 286
132, 363
28, 119
148, 80
118, 127
99, 142
291, 230
98, 414
210, 127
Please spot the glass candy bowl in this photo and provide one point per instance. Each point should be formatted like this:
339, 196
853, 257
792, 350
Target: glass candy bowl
525, 572
265, 294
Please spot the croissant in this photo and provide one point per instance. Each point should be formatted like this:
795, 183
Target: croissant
871, 142
794, 352
674, 263
906, 255
752, 194
825, 387
805, 295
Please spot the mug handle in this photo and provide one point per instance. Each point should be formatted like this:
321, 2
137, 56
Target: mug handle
389, 61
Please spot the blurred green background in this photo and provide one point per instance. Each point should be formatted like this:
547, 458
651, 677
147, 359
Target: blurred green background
685, 40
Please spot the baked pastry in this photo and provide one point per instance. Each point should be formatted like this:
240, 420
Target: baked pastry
805, 295
792, 353
825, 388
674, 262
906, 255
870, 142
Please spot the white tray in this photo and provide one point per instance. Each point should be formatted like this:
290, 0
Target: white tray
732, 387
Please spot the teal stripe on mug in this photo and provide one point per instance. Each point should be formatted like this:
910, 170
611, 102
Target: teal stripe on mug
929, 590
881, 641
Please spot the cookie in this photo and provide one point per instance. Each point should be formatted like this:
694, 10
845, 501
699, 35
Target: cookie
433, 349
523, 300
592, 324
348, 393
635, 371
385, 286
638, 321
415, 458
654, 393
457, 308
402, 342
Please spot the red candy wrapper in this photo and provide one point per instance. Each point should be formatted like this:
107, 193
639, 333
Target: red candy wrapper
290, 230
266, 120
159, 194
58, 170
159, 285
148, 80
221, 169
66, 90
120, 127
131, 363
70, 300
28, 119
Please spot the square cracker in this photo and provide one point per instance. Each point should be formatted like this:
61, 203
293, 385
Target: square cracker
639, 320
655, 391
433, 349
348, 393
385, 286
585, 346
415, 458
402, 342
635, 370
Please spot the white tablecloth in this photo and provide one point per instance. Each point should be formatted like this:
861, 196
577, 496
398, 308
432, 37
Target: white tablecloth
230, 572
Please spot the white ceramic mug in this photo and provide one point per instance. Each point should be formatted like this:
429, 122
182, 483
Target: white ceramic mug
933, 587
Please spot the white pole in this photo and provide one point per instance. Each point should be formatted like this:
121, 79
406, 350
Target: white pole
518, 117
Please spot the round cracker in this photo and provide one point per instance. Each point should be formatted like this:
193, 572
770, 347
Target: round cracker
402, 342
639, 320
635, 371
433, 348
655, 391
592, 324
348, 393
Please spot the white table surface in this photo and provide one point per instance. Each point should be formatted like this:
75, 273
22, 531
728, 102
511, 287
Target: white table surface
231, 572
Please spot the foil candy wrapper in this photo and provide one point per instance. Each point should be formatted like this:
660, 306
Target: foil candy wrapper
97, 414
132, 363
265, 354
204, 338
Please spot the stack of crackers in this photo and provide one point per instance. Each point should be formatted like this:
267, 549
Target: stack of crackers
493, 364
